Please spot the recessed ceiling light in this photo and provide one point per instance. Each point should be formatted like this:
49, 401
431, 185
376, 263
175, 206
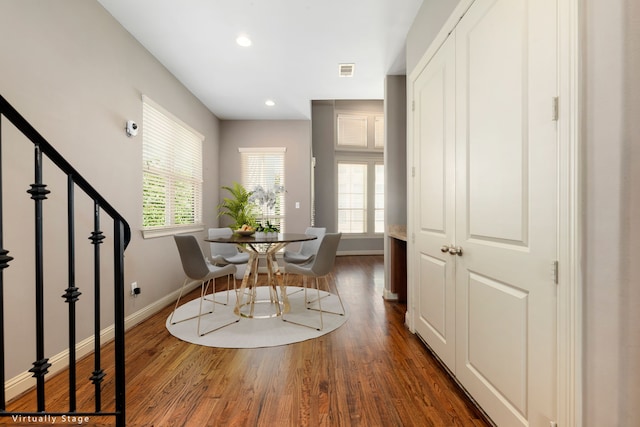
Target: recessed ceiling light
243, 41
269, 103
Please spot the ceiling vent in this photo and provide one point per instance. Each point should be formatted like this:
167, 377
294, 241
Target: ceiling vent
346, 70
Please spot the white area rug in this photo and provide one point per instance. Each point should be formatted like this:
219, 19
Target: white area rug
256, 332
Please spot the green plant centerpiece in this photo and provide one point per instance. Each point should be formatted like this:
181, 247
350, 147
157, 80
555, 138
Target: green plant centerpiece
238, 206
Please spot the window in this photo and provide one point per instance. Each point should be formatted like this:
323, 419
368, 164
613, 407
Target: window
352, 197
172, 173
360, 173
379, 198
360, 196
265, 167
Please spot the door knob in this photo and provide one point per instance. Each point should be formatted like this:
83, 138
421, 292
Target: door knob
444, 249
455, 250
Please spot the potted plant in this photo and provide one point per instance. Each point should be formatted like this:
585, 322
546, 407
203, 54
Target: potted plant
267, 230
238, 207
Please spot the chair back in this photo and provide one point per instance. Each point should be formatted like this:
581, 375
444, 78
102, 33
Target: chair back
222, 249
193, 261
325, 258
310, 247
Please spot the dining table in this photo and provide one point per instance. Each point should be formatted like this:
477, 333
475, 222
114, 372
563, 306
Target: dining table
262, 246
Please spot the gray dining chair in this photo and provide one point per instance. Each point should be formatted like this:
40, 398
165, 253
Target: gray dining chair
227, 253
318, 267
197, 269
307, 250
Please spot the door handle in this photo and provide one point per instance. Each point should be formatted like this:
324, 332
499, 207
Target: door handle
455, 250
444, 249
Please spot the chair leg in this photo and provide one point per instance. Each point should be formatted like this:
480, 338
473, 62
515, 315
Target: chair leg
286, 275
328, 287
304, 281
214, 292
186, 281
202, 299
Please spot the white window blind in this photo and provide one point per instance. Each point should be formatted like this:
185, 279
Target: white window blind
265, 167
352, 131
172, 170
379, 132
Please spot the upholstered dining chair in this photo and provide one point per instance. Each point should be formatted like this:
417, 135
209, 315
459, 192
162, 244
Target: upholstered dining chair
197, 269
320, 266
307, 250
227, 253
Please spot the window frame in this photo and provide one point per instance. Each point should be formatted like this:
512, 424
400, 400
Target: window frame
371, 160
195, 141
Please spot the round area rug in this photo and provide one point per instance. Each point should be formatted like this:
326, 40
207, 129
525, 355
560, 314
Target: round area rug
261, 330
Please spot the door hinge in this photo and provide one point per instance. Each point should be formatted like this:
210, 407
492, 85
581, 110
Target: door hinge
553, 424
554, 109
413, 105
413, 237
555, 272
413, 171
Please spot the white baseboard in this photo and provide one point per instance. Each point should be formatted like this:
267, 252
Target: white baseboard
24, 381
360, 252
389, 296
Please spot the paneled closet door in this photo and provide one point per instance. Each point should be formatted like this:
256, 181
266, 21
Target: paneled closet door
506, 207
433, 203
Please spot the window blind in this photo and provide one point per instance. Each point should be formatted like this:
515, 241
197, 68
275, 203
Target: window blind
265, 167
352, 131
172, 170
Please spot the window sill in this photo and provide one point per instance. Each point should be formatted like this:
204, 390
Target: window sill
152, 233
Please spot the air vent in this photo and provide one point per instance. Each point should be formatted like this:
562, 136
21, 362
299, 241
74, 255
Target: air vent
346, 70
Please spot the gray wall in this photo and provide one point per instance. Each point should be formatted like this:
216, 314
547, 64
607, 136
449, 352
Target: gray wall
295, 135
395, 151
77, 76
323, 143
610, 139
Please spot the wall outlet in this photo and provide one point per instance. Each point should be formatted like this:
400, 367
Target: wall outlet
134, 289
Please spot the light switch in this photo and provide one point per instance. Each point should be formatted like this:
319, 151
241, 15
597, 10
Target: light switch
297, 205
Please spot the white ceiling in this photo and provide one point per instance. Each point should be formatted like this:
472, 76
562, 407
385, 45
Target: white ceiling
297, 46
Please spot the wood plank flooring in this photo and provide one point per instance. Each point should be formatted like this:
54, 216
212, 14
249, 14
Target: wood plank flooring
370, 372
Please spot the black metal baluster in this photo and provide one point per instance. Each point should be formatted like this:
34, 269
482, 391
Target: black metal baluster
4, 263
96, 239
71, 293
40, 368
118, 274
122, 238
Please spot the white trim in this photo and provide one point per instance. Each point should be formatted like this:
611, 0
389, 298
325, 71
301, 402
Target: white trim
152, 233
569, 220
361, 252
25, 381
262, 149
447, 28
170, 115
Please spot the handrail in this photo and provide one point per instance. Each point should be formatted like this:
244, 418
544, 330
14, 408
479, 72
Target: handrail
121, 239
20, 122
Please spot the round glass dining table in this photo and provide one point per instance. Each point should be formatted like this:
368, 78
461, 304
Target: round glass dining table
262, 247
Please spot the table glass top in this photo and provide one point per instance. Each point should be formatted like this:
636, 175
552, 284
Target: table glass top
280, 238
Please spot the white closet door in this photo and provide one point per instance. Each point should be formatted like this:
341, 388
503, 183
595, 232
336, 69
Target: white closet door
506, 180
433, 202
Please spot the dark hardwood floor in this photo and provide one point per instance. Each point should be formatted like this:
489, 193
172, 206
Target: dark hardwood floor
370, 372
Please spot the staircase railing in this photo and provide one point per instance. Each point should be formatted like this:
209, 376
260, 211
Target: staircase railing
121, 237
